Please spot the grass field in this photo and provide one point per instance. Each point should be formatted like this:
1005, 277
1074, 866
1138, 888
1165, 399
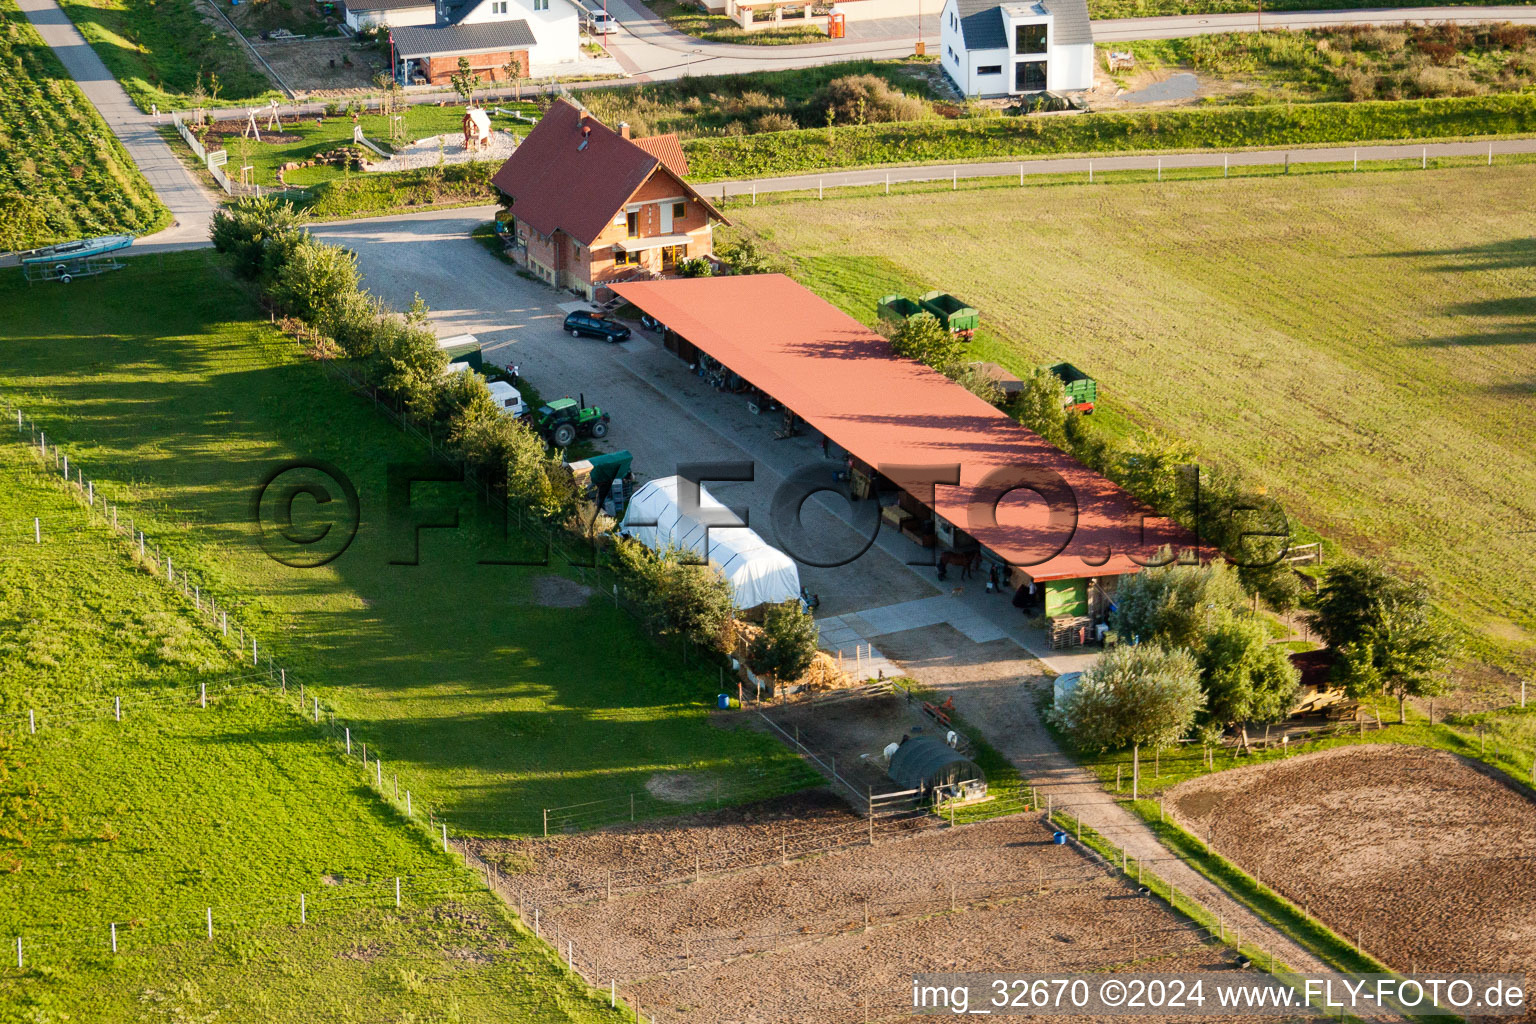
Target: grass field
1359, 344
63, 174
163, 52
1216, 127
492, 702
1356, 62
1154, 8
240, 807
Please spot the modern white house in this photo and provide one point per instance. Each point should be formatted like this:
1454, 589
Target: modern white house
1017, 47
430, 37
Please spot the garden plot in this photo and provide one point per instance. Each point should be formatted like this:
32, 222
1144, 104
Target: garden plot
1422, 856
784, 909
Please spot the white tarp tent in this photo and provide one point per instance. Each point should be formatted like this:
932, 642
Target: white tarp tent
758, 573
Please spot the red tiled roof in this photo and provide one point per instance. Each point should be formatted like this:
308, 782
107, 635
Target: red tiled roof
668, 150
896, 414
556, 182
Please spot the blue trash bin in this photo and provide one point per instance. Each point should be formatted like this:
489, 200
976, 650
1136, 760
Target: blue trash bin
1060, 839
723, 701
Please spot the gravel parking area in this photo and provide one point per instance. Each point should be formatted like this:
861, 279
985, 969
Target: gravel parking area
1423, 855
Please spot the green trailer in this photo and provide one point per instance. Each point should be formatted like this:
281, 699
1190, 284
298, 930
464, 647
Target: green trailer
955, 315
897, 308
1082, 390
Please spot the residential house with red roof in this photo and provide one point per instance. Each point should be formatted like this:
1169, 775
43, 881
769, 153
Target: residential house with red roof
590, 205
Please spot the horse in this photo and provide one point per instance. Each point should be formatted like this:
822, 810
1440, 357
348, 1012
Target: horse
968, 561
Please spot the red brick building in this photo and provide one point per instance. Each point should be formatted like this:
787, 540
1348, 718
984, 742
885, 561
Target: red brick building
591, 206
431, 54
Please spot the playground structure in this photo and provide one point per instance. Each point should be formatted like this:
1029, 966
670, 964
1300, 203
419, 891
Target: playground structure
477, 129
84, 257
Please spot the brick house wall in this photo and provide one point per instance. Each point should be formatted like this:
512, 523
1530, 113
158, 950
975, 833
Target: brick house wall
564, 262
489, 66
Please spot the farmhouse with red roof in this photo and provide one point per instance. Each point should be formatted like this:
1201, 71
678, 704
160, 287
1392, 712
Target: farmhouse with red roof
591, 206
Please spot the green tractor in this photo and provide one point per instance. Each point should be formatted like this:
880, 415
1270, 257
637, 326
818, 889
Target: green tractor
565, 419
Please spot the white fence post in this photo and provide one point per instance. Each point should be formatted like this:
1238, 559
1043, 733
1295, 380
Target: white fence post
397, 893
37, 529
349, 741
32, 721
445, 837
303, 910
117, 708
19, 962
210, 922
202, 695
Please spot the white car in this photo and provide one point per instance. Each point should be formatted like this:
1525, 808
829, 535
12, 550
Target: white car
508, 398
601, 23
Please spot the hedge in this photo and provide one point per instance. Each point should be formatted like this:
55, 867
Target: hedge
810, 149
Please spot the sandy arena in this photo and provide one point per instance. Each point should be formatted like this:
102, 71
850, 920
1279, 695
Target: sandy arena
784, 911
1424, 856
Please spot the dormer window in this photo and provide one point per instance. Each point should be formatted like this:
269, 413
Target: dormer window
498, 6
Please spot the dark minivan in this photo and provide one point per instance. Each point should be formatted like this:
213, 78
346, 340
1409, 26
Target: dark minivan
594, 326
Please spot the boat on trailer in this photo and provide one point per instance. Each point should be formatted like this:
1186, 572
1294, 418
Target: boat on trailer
66, 261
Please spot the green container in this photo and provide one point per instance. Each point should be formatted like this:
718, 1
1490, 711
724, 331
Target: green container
897, 307
1082, 390
1066, 597
952, 313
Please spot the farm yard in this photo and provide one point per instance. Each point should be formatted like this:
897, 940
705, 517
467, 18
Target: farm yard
1417, 852
175, 54
179, 420
178, 815
767, 913
1321, 333
62, 172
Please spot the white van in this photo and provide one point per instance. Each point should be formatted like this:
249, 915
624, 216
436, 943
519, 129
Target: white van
508, 398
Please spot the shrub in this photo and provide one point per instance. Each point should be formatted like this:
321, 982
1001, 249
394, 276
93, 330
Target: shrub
979, 383
863, 99
1041, 405
246, 229
314, 278
677, 597
924, 339
786, 646
775, 122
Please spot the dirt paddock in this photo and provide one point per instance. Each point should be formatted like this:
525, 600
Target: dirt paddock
1429, 859
785, 911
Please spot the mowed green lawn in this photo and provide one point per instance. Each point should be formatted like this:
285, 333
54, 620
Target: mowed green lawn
1364, 345
239, 807
162, 383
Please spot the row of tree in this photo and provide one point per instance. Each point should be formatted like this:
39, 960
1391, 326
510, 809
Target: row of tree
319, 284
1198, 659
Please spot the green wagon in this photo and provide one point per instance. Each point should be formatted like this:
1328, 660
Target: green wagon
897, 308
1082, 390
955, 315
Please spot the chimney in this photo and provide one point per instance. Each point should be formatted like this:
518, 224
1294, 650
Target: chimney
623, 129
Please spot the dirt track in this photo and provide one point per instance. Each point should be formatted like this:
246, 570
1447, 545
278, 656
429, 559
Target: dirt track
736, 917
1426, 857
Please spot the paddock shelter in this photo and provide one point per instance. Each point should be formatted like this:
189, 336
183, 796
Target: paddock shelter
929, 764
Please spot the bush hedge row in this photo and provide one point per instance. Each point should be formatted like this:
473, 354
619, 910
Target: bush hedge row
984, 138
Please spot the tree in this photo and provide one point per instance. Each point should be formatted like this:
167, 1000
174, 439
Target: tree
315, 278
1154, 471
1246, 678
677, 596
923, 338
1041, 405
1145, 695
464, 80
1177, 605
1387, 634
787, 645
744, 256
250, 227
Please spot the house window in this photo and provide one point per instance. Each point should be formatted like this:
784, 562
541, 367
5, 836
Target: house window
1029, 39
1029, 76
670, 254
990, 69
541, 5
624, 258
679, 211
498, 6
632, 223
